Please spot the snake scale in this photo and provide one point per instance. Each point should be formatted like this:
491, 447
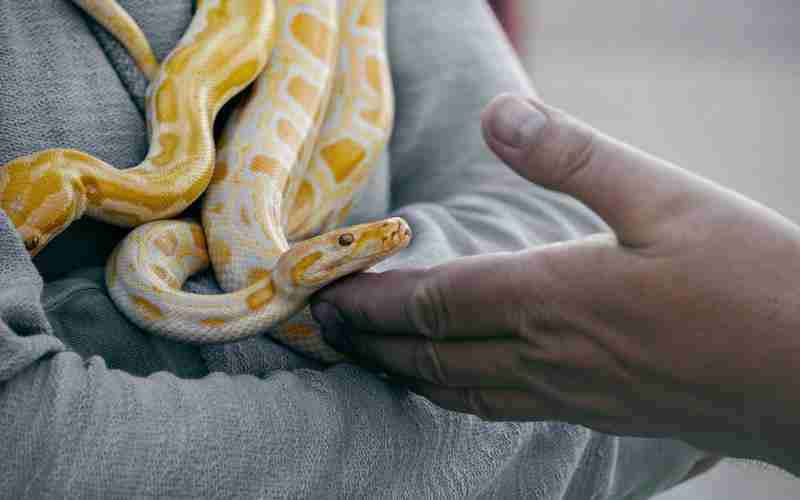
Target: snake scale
299, 145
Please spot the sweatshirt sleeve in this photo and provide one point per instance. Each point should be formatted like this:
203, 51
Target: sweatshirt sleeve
448, 63
70, 427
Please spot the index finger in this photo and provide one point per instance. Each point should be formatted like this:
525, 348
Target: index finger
467, 298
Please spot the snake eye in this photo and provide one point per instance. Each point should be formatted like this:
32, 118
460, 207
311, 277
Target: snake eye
32, 243
346, 239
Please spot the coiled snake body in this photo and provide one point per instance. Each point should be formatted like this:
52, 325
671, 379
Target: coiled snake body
222, 52
287, 159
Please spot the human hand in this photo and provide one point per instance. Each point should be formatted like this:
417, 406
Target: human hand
685, 323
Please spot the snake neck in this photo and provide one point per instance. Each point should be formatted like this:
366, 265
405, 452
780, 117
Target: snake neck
287, 275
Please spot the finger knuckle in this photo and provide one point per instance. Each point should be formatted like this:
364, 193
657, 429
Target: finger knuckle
545, 347
536, 308
427, 311
577, 148
429, 363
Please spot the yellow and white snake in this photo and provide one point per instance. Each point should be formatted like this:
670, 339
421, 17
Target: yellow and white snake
290, 159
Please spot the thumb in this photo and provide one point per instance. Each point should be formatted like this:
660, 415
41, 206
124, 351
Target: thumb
632, 191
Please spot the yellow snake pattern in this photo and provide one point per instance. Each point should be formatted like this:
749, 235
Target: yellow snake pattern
352, 143
290, 160
267, 143
114, 18
223, 51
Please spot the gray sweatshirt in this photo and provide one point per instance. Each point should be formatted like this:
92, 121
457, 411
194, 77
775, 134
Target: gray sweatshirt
92, 407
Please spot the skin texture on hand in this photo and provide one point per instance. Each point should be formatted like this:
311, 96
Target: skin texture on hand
684, 323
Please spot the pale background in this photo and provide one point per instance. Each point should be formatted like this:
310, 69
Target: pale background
709, 84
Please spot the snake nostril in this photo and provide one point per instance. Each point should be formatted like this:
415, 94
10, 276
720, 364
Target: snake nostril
32, 243
346, 239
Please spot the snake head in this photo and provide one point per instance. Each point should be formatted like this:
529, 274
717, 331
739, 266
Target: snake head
311, 264
39, 197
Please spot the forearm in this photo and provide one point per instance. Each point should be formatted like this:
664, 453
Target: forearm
73, 427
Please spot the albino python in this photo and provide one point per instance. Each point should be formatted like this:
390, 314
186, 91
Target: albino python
114, 18
261, 183
352, 142
225, 48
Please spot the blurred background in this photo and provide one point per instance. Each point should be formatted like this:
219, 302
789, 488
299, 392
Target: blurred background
710, 85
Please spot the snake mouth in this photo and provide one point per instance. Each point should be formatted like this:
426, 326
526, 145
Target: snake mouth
391, 236
399, 237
